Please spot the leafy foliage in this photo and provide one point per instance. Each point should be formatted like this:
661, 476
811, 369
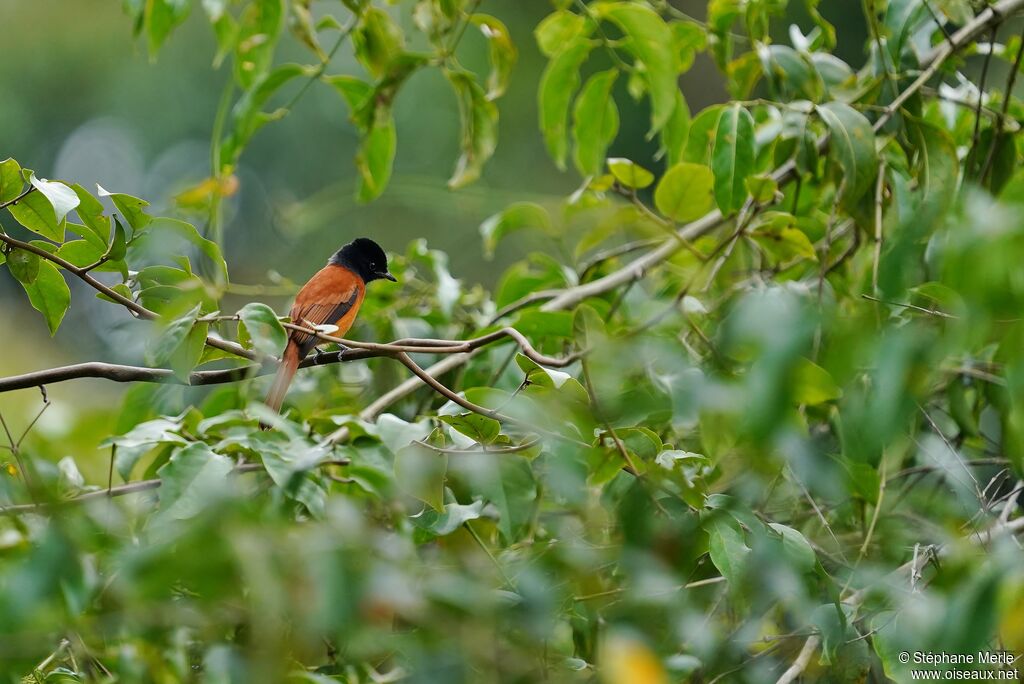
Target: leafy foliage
758, 396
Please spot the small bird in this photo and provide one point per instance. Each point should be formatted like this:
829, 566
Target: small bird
331, 297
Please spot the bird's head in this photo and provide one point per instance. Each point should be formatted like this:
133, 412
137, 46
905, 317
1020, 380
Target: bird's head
366, 258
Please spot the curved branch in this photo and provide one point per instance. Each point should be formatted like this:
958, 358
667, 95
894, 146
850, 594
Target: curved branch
355, 351
130, 304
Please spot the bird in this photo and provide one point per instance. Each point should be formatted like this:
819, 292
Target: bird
331, 297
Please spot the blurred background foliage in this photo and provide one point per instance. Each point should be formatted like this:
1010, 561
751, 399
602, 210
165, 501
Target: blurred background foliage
787, 453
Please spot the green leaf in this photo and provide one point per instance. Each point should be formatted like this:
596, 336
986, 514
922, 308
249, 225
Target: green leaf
160, 18
700, 139
130, 207
851, 146
553, 379
559, 29
49, 294
194, 477
676, 131
630, 174
762, 188
90, 212
186, 357
514, 217
558, 83
596, 121
420, 472
796, 548
259, 28
502, 51
651, 41
684, 193
813, 385
378, 41
481, 429
479, 117
36, 213
118, 243
81, 253
732, 159
24, 265
938, 166
355, 92
162, 346
264, 328
376, 156
11, 182
451, 519
728, 549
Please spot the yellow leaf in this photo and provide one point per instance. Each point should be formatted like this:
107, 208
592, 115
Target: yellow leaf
628, 660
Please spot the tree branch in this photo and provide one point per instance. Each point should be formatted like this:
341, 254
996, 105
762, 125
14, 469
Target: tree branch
355, 351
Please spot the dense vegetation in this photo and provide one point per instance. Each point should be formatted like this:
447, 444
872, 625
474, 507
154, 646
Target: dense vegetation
754, 413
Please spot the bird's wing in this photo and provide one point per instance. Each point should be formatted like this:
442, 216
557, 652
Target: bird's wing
325, 299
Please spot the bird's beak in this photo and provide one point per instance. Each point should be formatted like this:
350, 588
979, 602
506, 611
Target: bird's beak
387, 276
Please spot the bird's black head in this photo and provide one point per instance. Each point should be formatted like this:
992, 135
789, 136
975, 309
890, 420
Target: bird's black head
366, 258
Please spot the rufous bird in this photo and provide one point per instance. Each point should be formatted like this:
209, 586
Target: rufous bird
331, 297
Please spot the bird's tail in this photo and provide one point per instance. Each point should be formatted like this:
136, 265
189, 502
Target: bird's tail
285, 373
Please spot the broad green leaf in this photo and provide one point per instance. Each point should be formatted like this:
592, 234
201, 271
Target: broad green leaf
514, 217
49, 294
629, 173
167, 340
376, 156
938, 166
195, 477
813, 385
36, 213
596, 122
689, 38
264, 328
851, 146
186, 357
355, 92
118, 242
481, 429
551, 378
259, 28
684, 193
502, 50
396, 433
11, 183
728, 549
479, 118
732, 159
790, 73
420, 472
378, 41
141, 438
90, 213
559, 29
543, 325
451, 519
132, 208
700, 139
557, 86
81, 253
24, 265
676, 131
160, 18
651, 41
762, 188
796, 548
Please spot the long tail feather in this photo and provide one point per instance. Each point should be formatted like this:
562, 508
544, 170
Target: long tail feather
283, 379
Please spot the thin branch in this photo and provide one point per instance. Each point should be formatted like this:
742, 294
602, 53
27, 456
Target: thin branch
129, 488
130, 304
